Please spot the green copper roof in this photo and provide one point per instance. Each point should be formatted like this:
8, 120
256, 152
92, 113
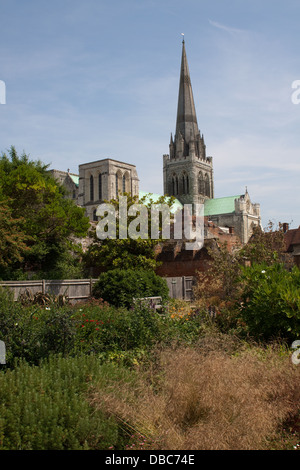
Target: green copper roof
222, 205
74, 178
155, 197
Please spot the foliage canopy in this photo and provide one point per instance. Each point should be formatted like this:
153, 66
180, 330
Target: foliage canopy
125, 253
35, 207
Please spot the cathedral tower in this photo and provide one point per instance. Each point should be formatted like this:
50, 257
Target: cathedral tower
188, 173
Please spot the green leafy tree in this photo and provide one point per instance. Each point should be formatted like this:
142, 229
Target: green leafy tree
266, 246
44, 212
13, 240
220, 284
270, 301
127, 253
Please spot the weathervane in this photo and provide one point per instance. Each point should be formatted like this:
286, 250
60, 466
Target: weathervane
182, 34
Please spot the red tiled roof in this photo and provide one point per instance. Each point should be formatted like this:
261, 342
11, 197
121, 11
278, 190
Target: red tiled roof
292, 237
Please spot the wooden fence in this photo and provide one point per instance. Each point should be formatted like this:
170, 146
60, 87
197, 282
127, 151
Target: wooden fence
81, 289
75, 289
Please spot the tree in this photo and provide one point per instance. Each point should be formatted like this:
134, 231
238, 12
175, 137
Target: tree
270, 301
221, 283
13, 241
46, 216
266, 246
127, 253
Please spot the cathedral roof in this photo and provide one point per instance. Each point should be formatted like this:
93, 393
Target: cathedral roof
155, 197
221, 205
74, 178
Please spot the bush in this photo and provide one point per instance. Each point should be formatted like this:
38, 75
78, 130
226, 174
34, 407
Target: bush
35, 332
120, 286
116, 333
270, 304
46, 407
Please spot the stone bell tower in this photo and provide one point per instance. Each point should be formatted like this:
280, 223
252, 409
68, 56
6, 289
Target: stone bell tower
188, 173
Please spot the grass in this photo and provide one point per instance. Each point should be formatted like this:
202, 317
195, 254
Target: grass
208, 399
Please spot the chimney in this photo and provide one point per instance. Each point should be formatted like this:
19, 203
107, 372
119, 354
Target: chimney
285, 227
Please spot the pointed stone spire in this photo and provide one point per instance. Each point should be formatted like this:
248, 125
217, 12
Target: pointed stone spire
187, 168
186, 123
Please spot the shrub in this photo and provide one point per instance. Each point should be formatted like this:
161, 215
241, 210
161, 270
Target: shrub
271, 301
120, 286
111, 331
46, 407
34, 332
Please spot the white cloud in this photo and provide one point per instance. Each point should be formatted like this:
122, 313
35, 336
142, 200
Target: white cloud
228, 29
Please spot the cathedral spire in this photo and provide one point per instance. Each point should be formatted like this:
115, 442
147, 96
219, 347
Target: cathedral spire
186, 123
188, 173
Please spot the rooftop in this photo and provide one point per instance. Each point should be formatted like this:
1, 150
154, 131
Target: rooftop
292, 237
150, 197
74, 178
222, 205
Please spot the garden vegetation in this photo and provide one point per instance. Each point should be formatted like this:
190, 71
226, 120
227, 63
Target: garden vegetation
95, 376
113, 373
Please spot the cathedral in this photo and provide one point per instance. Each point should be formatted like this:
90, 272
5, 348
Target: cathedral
187, 174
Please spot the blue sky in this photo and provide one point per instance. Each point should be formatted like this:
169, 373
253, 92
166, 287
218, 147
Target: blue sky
92, 79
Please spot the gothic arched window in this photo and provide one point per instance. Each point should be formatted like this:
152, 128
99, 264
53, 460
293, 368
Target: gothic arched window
173, 186
201, 188
100, 186
124, 184
174, 189
117, 185
95, 218
91, 188
207, 186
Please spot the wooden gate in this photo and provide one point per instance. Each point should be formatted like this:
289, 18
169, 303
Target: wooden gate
181, 287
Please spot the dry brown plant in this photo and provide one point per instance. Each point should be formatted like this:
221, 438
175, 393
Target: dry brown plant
206, 399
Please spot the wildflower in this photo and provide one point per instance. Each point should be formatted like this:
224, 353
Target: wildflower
48, 308
263, 271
